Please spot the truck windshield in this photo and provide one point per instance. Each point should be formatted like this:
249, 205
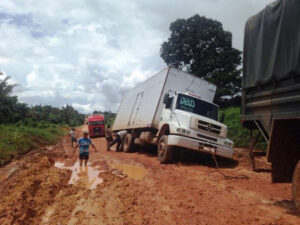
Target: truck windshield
197, 106
96, 122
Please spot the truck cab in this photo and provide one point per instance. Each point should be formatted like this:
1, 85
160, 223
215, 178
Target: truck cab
96, 126
190, 122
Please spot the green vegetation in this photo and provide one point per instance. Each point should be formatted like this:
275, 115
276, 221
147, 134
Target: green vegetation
109, 119
236, 132
23, 127
19, 139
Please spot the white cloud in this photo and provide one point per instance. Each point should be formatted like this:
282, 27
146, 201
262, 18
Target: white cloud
87, 53
136, 77
3, 60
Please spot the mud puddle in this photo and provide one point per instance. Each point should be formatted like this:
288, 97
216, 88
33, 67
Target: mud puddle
9, 169
133, 172
85, 176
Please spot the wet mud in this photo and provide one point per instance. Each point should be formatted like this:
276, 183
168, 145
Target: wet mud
85, 176
119, 188
133, 172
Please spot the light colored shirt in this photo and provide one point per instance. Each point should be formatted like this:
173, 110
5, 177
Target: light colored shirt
122, 133
72, 134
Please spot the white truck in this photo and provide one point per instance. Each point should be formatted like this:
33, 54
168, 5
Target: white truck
173, 109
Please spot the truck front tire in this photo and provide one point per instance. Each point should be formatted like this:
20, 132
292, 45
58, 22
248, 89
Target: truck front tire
164, 151
296, 186
128, 144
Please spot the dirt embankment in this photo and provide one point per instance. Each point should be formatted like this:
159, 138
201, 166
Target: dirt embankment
136, 189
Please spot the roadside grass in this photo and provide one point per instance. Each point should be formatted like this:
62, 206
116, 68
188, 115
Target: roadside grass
236, 132
17, 139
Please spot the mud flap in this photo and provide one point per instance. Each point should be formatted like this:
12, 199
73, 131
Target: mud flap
284, 149
296, 186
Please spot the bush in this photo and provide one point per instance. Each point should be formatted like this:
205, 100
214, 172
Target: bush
19, 139
236, 132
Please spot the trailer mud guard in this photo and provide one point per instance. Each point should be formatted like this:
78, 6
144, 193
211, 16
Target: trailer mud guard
284, 149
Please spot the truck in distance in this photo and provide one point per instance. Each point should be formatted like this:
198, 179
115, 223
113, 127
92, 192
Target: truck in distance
96, 126
173, 109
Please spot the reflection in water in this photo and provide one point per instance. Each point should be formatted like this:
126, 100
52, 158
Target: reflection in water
9, 169
82, 175
134, 172
47, 215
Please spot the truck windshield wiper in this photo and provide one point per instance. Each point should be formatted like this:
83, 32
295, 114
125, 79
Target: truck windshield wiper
176, 117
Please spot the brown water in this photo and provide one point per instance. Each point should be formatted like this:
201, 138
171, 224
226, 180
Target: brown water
9, 169
133, 172
86, 176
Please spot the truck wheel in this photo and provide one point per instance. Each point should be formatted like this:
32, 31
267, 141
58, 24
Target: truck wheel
164, 151
296, 186
128, 144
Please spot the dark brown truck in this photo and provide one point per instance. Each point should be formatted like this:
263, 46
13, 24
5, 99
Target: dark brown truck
271, 87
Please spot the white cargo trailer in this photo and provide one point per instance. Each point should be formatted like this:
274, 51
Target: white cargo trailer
173, 108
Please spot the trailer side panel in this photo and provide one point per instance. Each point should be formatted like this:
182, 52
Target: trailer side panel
138, 105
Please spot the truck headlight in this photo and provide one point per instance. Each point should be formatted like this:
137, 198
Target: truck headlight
228, 144
183, 131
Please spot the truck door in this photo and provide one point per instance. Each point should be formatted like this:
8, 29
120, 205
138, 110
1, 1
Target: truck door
136, 108
166, 114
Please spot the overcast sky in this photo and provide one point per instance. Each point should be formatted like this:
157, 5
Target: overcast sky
88, 52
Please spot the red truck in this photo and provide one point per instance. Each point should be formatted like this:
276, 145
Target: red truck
96, 126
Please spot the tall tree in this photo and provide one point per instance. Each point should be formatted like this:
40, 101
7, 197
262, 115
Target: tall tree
201, 47
7, 102
67, 113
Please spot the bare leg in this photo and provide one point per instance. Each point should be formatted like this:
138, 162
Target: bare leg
86, 161
81, 161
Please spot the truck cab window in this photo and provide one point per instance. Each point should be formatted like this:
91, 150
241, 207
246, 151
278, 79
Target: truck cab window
96, 123
194, 105
169, 103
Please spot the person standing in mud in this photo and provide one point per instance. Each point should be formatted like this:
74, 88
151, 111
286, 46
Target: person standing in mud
73, 137
108, 136
84, 146
119, 137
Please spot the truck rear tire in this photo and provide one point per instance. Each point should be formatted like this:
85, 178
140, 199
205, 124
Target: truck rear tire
296, 186
128, 144
164, 151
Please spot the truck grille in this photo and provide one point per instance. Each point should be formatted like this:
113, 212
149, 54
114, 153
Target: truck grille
202, 125
97, 130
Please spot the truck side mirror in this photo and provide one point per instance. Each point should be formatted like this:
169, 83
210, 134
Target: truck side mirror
166, 99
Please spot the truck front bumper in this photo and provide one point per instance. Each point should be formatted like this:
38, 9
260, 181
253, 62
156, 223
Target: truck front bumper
200, 146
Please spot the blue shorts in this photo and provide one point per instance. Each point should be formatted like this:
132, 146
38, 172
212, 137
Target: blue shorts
84, 155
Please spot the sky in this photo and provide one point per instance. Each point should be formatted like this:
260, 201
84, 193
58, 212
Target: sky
87, 53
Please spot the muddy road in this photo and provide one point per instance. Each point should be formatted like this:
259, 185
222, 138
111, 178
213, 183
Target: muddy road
49, 187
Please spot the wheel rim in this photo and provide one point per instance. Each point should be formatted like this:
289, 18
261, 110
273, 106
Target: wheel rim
162, 148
